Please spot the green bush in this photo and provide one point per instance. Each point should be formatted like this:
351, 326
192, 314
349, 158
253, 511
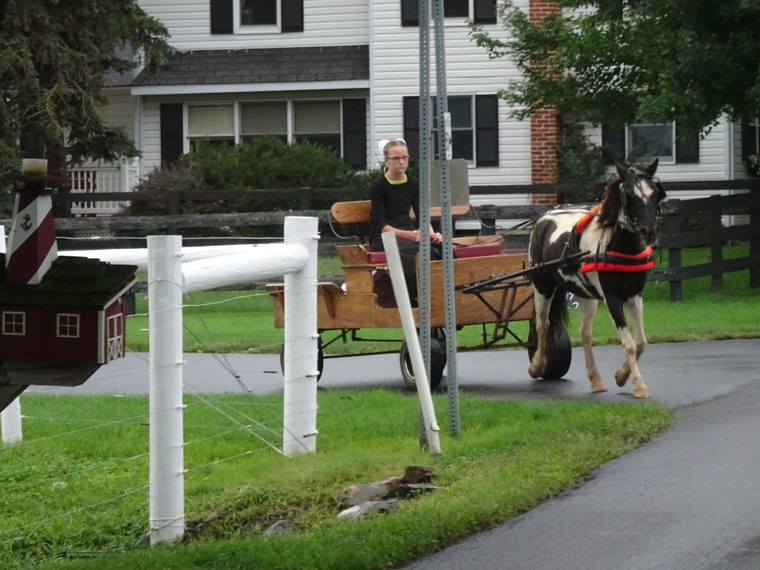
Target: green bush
260, 164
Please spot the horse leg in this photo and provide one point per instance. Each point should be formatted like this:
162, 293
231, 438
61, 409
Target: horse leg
588, 309
635, 310
543, 305
630, 348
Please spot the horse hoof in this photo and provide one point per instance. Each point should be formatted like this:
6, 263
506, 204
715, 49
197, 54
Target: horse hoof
621, 379
534, 373
598, 387
598, 390
644, 394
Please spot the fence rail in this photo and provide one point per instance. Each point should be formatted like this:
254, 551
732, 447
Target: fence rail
673, 236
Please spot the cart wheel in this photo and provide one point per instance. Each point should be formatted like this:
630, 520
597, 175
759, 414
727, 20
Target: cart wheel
320, 358
437, 362
559, 354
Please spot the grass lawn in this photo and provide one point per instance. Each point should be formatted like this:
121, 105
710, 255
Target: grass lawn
76, 487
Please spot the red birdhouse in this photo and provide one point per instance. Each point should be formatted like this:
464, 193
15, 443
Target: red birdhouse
60, 318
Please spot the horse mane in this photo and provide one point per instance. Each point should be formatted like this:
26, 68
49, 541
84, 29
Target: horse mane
611, 204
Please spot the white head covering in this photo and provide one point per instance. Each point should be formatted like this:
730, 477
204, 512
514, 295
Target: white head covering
381, 146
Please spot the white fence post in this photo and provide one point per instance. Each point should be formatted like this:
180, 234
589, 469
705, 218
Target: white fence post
413, 341
167, 479
10, 417
301, 342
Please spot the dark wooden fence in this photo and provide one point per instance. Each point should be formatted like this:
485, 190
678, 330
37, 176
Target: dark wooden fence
686, 223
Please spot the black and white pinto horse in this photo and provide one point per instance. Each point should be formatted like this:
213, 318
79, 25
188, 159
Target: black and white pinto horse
618, 239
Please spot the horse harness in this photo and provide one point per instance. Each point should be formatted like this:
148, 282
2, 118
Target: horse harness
609, 260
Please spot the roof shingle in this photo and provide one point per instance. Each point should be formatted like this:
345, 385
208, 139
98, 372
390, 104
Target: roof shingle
281, 65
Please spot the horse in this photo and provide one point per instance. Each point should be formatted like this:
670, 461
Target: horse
609, 251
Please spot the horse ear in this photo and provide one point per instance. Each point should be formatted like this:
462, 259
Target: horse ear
622, 170
660, 192
652, 168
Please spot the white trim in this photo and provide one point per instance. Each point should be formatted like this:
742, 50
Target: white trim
101, 336
121, 293
248, 87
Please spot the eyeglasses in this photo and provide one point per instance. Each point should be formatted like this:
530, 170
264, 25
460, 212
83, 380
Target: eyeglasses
398, 158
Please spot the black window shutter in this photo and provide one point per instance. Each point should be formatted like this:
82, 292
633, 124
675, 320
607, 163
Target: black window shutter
485, 11
221, 16
412, 126
486, 130
613, 144
292, 15
355, 132
687, 150
171, 132
749, 142
410, 13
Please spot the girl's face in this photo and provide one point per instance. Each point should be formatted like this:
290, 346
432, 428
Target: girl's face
397, 161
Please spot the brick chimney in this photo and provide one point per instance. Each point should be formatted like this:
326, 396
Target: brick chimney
544, 125
31, 244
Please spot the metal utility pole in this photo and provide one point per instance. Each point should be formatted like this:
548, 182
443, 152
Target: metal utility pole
447, 229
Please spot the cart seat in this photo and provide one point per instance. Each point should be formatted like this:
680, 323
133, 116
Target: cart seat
460, 251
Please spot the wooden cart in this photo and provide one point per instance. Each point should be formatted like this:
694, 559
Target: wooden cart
366, 300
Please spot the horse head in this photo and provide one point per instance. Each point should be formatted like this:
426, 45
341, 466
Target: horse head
637, 194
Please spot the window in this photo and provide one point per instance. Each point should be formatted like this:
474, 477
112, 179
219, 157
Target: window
650, 141
474, 128
642, 141
292, 121
456, 8
247, 16
14, 323
210, 122
67, 325
264, 119
462, 128
317, 122
258, 12
480, 11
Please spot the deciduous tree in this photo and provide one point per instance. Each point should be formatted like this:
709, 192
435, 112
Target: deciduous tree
621, 61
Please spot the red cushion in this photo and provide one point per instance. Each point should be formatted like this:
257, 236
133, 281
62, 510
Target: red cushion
376, 257
479, 250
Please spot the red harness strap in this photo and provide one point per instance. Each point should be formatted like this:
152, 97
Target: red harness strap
585, 220
610, 260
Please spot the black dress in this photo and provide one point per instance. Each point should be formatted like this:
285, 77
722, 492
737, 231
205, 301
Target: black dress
390, 207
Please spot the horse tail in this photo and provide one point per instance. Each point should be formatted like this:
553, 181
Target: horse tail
559, 316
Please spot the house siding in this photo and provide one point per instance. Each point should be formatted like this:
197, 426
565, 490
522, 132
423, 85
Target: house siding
189, 24
394, 74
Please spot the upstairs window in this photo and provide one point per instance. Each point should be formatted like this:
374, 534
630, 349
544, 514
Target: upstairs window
258, 12
14, 323
480, 11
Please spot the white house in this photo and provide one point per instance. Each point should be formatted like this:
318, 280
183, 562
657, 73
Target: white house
346, 73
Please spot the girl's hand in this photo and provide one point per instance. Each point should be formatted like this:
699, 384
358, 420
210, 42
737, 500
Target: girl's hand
414, 235
436, 237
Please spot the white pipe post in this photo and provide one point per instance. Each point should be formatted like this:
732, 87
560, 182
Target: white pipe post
167, 479
412, 341
301, 338
10, 417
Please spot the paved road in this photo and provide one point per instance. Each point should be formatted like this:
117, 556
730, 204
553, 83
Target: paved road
688, 500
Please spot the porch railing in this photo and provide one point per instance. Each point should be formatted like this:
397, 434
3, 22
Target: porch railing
117, 177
